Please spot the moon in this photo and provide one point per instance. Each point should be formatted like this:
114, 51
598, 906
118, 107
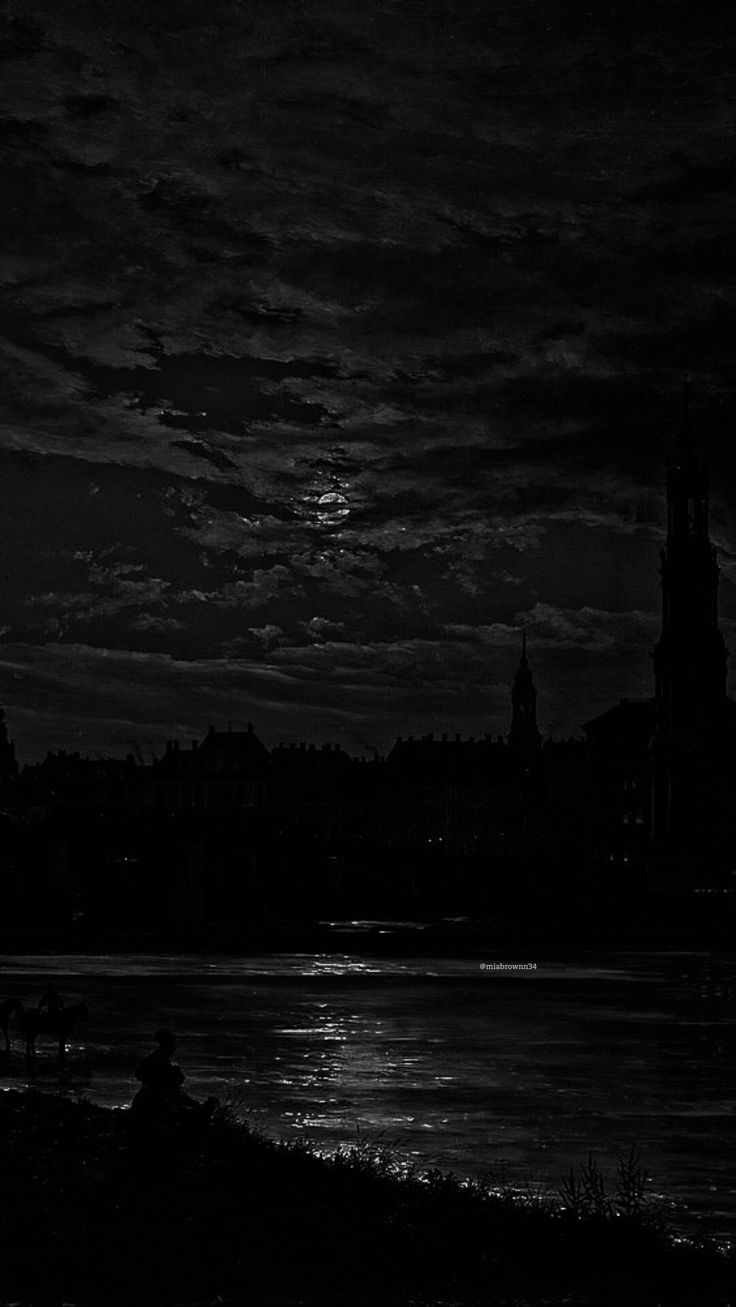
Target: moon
332, 507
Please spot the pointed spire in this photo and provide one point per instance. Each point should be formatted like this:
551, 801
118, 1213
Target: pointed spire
687, 478
686, 450
524, 733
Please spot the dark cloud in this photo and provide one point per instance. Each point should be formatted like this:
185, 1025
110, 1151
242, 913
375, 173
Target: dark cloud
330, 330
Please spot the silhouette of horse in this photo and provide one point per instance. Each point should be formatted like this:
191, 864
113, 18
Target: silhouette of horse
59, 1024
10, 1007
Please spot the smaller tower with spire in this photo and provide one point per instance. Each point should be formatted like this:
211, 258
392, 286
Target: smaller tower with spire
524, 733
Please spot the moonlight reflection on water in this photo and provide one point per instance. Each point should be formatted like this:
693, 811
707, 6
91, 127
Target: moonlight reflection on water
467, 1070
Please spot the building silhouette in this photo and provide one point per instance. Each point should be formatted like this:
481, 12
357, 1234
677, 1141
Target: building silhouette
222, 773
694, 729
224, 830
663, 769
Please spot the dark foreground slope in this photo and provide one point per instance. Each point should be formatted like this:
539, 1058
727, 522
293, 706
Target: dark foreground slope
86, 1217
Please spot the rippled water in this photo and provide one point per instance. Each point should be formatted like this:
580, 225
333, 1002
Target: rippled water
460, 1068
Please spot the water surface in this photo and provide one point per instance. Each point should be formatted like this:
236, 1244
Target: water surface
524, 1072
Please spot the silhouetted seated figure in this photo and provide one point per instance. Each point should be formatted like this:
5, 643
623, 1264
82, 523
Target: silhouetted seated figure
161, 1106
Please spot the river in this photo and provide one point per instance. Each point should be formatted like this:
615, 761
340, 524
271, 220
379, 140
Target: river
522, 1073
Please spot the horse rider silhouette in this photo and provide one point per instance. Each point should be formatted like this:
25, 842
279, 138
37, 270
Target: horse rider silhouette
51, 1001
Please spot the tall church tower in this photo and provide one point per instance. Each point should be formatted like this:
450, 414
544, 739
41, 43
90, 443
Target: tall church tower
524, 733
8, 764
689, 658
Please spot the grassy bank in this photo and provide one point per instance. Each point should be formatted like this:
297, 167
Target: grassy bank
88, 1218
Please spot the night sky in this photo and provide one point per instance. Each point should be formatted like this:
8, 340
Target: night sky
339, 342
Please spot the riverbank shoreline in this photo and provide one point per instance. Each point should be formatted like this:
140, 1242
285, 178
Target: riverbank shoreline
87, 1216
552, 930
